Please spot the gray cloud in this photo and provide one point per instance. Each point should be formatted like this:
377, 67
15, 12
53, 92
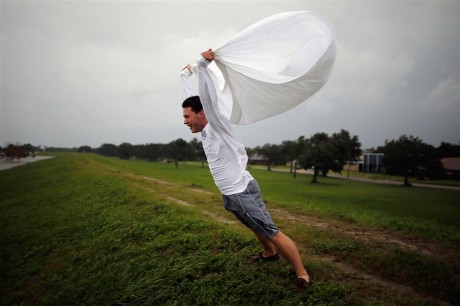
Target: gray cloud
89, 72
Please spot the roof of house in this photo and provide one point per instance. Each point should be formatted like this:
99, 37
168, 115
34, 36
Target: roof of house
257, 157
451, 163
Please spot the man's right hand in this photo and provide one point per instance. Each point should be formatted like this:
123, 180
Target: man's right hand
208, 55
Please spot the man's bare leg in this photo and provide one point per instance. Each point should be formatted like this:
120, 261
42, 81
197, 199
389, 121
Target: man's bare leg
287, 248
269, 248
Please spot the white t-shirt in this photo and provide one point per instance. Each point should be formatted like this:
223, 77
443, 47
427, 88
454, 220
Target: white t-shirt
226, 156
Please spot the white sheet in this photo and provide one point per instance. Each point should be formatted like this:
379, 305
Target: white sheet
273, 65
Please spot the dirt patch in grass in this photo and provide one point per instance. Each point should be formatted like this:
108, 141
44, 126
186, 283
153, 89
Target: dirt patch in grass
367, 235
220, 218
155, 180
178, 201
379, 286
360, 278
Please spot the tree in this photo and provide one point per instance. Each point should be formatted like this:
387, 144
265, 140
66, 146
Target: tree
126, 150
84, 149
179, 150
291, 151
272, 153
318, 155
198, 150
108, 149
448, 150
150, 152
250, 151
409, 156
14, 152
346, 149
29, 149
323, 152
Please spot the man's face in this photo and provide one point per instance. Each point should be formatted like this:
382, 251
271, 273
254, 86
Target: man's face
195, 121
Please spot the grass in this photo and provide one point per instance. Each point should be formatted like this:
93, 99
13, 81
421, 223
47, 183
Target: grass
88, 230
393, 207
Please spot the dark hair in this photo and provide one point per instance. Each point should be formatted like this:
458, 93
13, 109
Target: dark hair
194, 102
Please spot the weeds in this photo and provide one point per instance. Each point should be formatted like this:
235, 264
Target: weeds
86, 230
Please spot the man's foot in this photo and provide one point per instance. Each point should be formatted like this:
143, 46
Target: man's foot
303, 283
261, 258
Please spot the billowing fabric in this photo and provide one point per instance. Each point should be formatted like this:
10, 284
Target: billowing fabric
273, 66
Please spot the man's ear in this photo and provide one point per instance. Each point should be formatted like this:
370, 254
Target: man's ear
203, 116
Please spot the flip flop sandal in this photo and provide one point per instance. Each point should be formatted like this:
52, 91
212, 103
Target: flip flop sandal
261, 258
304, 284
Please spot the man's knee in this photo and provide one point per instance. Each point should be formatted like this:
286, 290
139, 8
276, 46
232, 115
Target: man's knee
276, 237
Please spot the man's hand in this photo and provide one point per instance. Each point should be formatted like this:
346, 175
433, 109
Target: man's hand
208, 55
188, 66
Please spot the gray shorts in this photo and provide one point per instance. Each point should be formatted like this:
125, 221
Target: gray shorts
249, 208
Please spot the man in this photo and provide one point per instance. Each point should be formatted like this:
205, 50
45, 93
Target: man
227, 161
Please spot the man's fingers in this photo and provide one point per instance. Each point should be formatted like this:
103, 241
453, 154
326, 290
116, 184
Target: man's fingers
208, 55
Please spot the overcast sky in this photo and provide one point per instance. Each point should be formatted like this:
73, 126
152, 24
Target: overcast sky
93, 72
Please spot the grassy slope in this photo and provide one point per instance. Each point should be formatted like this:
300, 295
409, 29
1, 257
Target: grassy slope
82, 229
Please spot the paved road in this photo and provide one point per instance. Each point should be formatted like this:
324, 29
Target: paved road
23, 161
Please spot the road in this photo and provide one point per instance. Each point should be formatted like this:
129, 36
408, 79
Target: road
23, 161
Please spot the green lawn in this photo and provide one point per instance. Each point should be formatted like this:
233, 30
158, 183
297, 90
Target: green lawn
81, 229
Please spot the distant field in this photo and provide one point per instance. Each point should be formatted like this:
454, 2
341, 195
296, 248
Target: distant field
84, 229
379, 176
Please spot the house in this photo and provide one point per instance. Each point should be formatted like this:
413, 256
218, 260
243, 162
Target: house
451, 166
257, 160
372, 163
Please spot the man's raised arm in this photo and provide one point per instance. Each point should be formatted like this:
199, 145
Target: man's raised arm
187, 90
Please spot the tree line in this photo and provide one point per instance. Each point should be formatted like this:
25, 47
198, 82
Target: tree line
406, 156
14, 152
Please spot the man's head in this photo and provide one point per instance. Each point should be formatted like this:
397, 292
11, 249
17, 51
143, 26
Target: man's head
194, 116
